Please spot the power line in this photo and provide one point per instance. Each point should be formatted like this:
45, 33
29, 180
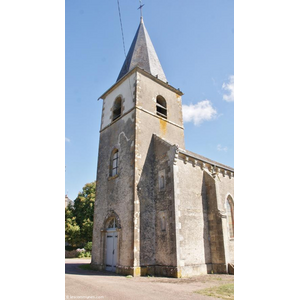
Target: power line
121, 28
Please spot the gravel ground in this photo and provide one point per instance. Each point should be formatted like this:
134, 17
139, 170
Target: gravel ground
87, 284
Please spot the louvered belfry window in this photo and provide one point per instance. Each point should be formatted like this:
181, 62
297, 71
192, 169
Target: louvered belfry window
161, 107
117, 108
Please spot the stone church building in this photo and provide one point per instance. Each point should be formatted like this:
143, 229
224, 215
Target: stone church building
160, 209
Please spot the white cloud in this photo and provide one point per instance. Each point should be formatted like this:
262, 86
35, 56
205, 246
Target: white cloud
229, 87
67, 140
197, 113
220, 148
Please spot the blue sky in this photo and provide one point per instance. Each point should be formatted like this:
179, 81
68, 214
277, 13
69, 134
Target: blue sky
194, 41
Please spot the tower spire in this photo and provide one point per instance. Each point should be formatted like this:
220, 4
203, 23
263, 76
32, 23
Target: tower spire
142, 54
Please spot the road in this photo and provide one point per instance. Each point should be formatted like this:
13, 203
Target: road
88, 284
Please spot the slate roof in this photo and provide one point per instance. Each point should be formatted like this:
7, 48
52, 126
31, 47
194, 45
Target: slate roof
143, 55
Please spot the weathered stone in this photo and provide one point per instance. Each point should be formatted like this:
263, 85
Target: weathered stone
170, 214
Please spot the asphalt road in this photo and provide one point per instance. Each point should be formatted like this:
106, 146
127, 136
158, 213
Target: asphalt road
87, 284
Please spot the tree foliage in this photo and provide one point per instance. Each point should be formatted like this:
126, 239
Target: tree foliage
84, 204
79, 217
72, 230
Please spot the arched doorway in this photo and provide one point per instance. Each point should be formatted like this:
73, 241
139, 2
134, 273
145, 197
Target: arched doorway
111, 245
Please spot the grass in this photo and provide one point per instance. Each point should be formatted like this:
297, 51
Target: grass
225, 291
85, 267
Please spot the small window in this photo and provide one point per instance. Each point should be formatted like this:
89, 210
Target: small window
117, 108
230, 216
114, 163
161, 107
161, 182
163, 223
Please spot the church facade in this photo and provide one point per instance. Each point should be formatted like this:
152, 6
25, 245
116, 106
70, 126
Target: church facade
160, 209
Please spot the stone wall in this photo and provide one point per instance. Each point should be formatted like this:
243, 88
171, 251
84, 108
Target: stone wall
164, 200
157, 246
114, 195
71, 254
177, 227
226, 188
193, 233
201, 191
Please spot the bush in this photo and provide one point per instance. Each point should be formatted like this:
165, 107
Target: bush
78, 250
88, 246
83, 253
87, 254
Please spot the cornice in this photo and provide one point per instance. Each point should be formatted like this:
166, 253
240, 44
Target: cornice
137, 69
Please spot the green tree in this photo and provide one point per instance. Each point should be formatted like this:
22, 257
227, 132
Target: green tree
87, 231
79, 217
72, 230
84, 204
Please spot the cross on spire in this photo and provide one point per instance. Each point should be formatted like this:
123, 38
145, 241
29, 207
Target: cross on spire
140, 8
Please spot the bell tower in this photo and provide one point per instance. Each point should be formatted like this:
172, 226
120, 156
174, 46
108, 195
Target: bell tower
140, 105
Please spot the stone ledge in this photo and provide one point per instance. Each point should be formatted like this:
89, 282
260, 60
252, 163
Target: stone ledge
163, 271
195, 270
219, 268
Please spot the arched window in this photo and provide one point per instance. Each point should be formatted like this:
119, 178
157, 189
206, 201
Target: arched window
112, 221
161, 106
112, 224
114, 163
230, 216
117, 108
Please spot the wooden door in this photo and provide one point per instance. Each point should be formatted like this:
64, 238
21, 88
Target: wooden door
111, 250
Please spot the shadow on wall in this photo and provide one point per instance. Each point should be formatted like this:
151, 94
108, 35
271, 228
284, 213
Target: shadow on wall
206, 235
145, 190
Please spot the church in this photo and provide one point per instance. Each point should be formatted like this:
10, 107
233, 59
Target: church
160, 209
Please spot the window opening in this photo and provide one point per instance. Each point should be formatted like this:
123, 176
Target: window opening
117, 108
161, 107
114, 163
229, 207
161, 182
112, 223
163, 223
